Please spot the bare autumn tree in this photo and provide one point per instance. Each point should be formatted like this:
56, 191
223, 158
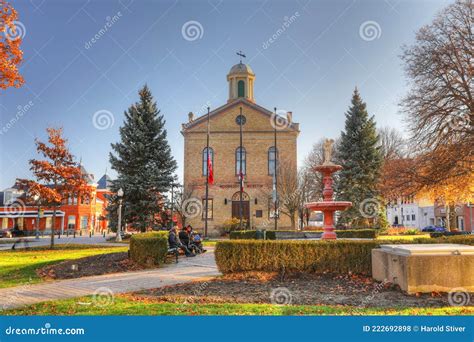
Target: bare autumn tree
392, 144
290, 199
180, 197
58, 176
440, 103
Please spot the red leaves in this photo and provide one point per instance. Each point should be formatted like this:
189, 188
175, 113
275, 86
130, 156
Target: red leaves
10, 53
58, 176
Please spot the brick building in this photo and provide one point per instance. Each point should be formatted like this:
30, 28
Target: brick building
258, 156
83, 215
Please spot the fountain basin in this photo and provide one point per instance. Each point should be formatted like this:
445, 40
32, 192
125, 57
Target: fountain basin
328, 168
330, 206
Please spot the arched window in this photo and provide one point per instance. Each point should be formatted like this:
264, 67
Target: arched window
241, 88
204, 160
272, 160
240, 155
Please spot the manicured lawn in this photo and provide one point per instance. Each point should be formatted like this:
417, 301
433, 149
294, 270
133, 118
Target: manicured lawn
403, 237
19, 267
126, 305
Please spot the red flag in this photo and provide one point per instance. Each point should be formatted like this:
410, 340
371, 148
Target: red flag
210, 172
241, 179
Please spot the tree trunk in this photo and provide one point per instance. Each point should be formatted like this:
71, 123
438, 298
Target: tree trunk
448, 219
52, 229
293, 221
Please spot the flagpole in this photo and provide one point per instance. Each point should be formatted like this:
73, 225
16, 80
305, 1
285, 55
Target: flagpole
275, 170
207, 174
241, 174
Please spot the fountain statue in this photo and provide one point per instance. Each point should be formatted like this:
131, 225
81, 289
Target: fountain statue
328, 206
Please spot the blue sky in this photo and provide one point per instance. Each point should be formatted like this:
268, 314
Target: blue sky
311, 68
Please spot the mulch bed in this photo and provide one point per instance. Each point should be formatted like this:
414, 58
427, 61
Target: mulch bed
89, 266
303, 289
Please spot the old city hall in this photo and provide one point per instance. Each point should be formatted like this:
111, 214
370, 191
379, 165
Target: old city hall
241, 142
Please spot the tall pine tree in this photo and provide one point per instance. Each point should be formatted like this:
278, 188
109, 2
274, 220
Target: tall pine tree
359, 155
143, 162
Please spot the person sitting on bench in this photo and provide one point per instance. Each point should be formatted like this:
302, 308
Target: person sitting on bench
174, 242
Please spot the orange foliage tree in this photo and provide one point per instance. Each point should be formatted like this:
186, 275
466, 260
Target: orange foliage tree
58, 176
10, 53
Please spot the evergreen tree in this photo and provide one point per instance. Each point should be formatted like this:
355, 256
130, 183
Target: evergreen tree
143, 162
359, 155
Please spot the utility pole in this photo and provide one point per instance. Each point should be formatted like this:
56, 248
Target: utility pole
276, 168
207, 174
241, 173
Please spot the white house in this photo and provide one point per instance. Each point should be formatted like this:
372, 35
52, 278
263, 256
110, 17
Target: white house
413, 213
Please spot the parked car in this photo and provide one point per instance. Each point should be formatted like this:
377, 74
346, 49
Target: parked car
433, 229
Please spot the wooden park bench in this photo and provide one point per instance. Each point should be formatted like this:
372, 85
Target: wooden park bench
174, 251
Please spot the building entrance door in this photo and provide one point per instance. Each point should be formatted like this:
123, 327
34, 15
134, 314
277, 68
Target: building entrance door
245, 206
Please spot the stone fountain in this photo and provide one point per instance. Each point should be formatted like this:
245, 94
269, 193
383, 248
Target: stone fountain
328, 206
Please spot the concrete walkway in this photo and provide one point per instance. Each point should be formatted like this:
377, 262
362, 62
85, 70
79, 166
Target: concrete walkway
7, 243
200, 267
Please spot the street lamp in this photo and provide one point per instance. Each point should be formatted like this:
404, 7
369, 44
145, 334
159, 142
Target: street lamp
119, 221
36, 198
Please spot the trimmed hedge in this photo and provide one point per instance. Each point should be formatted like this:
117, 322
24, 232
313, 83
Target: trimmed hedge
149, 248
336, 256
357, 233
270, 234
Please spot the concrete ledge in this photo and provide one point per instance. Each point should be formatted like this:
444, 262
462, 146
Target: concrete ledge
425, 272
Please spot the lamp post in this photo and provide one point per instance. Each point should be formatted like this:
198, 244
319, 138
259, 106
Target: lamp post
119, 220
36, 198
173, 185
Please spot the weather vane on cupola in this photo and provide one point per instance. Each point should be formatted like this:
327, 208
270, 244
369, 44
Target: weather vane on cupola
241, 54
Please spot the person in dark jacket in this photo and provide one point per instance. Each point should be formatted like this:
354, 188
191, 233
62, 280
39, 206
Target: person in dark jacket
184, 236
174, 242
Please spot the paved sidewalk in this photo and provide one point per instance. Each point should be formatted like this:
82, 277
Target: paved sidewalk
188, 269
7, 243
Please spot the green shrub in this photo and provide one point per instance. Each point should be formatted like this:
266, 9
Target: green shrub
270, 234
338, 256
357, 233
233, 224
149, 248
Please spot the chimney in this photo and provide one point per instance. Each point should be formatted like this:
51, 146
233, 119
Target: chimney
289, 117
190, 116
